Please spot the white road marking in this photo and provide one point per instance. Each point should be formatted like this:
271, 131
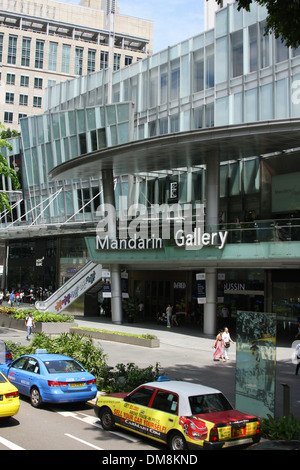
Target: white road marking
10, 445
83, 442
94, 421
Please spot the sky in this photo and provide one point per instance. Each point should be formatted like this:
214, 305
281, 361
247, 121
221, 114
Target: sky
173, 20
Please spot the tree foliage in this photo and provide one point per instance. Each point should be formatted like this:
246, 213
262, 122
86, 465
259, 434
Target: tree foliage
283, 18
6, 171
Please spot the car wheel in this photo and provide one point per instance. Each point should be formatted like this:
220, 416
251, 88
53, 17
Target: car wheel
177, 441
35, 397
107, 419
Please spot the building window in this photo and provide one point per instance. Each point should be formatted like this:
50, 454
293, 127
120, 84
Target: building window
12, 50
38, 83
91, 66
175, 80
24, 80
128, 60
9, 98
282, 52
78, 60
237, 54
253, 48
117, 61
20, 116
25, 59
8, 117
10, 79
210, 67
1, 47
65, 63
198, 82
52, 56
163, 84
23, 100
103, 60
264, 46
39, 54
37, 101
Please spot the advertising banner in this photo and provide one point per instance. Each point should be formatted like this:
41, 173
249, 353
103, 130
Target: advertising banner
201, 288
255, 363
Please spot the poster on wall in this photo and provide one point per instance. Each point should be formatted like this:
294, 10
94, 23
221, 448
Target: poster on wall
255, 363
124, 285
201, 288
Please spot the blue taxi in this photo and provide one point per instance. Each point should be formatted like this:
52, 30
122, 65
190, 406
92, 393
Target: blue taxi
50, 378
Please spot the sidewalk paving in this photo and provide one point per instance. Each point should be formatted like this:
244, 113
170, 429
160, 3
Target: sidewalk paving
184, 354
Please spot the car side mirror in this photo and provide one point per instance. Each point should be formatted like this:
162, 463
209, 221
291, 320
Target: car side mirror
127, 398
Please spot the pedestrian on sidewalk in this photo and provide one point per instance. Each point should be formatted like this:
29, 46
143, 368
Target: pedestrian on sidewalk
218, 347
226, 342
297, 356
29, 323
169, 315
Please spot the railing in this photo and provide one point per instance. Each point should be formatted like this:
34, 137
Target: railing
77, 285
283, 230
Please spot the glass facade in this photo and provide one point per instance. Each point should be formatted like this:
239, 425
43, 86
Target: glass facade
231, 75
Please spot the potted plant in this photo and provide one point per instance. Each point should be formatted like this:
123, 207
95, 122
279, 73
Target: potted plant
129, 307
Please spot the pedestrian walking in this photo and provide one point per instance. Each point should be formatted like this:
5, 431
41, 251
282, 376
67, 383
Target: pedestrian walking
226, 342
169, 315
218, 347
174, 317
29, 323
297, 356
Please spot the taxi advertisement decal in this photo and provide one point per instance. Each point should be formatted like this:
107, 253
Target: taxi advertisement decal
144, 424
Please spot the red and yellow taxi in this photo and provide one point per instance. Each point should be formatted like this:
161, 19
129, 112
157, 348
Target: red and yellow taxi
182, 415
9, 398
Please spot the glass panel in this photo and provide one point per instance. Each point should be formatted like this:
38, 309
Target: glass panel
251, 105
238, 108
236, 54
221, 59
281, 99
163, 84
175, 79
123, 112
266, 102
282, 52
81, 120
253, 48
55, 126
198, 81
153, 87
123, 131
111, 115
210, 67
63, 130
72, 123
264, 46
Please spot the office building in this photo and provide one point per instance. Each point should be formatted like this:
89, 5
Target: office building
49, 42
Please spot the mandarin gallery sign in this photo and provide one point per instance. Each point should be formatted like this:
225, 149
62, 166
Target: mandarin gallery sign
141, 228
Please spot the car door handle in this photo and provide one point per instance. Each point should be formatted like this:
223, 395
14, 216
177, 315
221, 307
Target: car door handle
171, 420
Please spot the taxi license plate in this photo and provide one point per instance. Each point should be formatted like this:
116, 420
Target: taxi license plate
237, 432
77, 384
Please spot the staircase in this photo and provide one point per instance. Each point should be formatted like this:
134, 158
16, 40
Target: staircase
82, 281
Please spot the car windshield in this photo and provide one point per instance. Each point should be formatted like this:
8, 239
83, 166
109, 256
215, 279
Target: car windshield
63, 366
2, 379
209, 403
3, 350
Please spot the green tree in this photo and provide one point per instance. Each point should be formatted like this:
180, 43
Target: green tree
283, 18
6, 171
